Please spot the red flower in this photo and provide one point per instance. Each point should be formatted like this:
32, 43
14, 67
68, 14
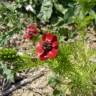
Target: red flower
31, 31
47, 47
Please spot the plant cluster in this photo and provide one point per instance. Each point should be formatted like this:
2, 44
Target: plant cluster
51, 26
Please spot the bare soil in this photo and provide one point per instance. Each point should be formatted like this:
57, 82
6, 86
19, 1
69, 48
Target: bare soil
38, 87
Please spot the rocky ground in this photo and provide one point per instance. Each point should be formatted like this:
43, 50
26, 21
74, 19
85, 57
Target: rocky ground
91, 38
38, 87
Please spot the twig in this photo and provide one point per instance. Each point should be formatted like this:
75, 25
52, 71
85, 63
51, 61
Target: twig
21, 83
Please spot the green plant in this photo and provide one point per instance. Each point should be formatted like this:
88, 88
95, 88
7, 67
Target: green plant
55, 16
6, 72
73, 63
8, 54
62, 13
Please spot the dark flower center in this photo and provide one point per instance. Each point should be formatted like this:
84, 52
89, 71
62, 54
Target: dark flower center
47, 46
30, 33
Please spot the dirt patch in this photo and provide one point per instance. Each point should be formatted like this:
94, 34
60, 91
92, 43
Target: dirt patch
91, 38
38, 87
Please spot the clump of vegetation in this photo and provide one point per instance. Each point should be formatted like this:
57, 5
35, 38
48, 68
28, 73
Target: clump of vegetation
57, 31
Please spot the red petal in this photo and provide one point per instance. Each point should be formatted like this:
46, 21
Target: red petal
55, 44
39, 49
35, 33
49, 37
43, 57
39, 45
39, 52
52, 53
44, 36
27, 36
54, 38
32, 28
